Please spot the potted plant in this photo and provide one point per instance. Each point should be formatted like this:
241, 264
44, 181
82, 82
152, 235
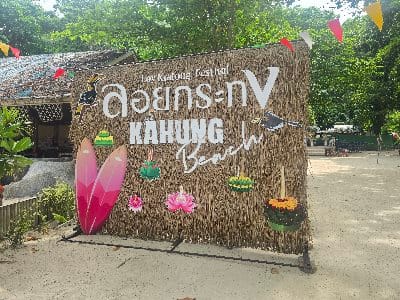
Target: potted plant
284, 213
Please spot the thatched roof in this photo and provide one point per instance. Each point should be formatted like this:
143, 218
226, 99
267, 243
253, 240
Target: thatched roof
29, 80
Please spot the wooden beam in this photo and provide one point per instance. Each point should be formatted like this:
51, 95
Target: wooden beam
27, 101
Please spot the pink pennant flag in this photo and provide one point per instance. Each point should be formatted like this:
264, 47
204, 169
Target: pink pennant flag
16, 52
336, 28
59, 72
287, 43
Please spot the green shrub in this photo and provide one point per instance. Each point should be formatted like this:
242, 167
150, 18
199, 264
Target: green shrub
57, 200
18, 228
54, 203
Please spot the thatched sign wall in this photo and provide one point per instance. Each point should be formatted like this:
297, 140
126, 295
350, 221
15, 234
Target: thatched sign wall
201, 133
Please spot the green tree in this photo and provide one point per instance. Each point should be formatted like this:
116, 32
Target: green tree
170, 28
24, 24
378, 52
382, 50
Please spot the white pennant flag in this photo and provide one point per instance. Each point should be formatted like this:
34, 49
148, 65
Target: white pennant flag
307, 38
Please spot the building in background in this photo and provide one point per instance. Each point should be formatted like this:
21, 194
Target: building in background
28, 84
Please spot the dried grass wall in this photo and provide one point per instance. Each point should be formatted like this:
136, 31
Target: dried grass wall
222, 217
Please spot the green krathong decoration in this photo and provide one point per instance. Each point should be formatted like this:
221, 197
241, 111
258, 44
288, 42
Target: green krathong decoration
240, 183
150, 170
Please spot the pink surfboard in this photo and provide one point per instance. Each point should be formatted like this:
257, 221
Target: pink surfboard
106, 189
85, 176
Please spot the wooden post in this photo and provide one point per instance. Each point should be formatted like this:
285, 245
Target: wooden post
2, 219
35, 137
7, 218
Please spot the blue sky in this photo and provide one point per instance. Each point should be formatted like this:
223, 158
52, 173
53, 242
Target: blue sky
345, 13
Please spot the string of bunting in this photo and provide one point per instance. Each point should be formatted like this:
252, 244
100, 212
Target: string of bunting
373, 10
5, 48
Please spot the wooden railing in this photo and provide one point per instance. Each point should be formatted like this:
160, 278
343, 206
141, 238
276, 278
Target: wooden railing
10, 212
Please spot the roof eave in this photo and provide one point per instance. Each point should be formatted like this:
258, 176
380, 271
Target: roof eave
30, 101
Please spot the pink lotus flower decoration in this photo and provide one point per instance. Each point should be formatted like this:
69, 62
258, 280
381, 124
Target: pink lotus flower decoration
97, 192
135, 203
181, 201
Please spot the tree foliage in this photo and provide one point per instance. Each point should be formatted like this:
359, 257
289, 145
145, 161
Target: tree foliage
25, 25
12, 143
356, 81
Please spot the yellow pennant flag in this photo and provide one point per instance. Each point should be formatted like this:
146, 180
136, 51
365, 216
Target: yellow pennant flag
374, 11
4, 48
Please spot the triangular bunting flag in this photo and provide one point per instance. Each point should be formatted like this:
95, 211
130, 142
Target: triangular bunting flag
374, 11
287, 43
307, 38
71, 74
59, 72
4, 48
336, 28
258, 46
16, 52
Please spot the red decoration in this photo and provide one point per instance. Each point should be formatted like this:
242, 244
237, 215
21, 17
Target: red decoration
336, 28
16, 52
287, 43
59, 72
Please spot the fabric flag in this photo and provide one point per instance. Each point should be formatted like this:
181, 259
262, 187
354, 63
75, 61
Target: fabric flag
4, 48
287, 43
59, 72
374, 11
258, 46
307, 38
16, 52
336, 28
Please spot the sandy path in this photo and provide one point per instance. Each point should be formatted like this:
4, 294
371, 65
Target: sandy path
355, 213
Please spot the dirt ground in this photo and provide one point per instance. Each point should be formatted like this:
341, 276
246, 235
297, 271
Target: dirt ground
355, 214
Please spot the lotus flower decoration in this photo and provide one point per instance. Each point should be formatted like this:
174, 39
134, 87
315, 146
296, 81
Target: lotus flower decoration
181, 201
135, 203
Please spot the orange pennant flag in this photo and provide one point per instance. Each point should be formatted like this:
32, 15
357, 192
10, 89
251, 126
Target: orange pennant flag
374, 11
4, 48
